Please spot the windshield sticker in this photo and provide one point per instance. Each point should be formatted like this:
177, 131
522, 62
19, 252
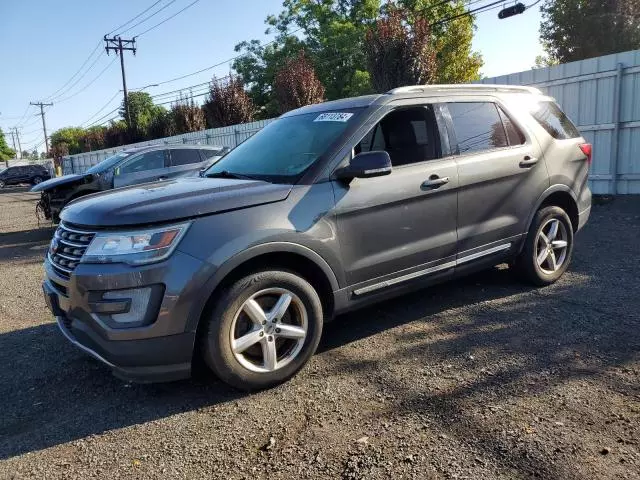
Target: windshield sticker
333, 117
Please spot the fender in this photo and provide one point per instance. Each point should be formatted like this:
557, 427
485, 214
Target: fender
272, 247
548, 192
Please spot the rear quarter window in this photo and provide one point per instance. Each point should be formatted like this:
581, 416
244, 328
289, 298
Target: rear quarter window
554, 120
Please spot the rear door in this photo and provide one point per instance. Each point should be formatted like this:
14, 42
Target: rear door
502, 174
142, 168
401, 226
184, 161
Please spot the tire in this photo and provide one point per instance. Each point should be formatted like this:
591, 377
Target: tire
235, 316
36, 180
532, 264
2, 184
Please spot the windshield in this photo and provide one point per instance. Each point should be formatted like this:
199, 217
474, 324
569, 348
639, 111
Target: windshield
285, 148
109, 162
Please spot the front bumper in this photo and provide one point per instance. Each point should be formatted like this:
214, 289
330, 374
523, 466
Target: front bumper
160, 350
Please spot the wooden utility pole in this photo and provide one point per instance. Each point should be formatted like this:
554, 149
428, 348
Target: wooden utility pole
44, 123
18, 155
118, 45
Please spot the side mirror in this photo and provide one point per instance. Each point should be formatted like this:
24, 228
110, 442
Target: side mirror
366, 165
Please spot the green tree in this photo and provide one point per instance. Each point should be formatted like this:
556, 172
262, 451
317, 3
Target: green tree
71, 137
573, 30
5, 152
142, 111
332, 34
456, 62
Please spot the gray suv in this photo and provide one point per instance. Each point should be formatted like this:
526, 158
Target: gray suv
327, 209
128, 167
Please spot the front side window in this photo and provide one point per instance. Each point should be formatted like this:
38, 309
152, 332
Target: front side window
477, 126
284, 149
147, 161
554, 120
408, 135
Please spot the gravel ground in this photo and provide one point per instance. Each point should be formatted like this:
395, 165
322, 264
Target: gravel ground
478, 378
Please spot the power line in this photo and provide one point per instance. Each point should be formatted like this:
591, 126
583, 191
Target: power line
118, 45
88, 84
101, 109
167, 19
52, 97
77, 72
147, 18
132, 19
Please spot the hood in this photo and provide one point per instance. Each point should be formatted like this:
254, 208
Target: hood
171, 201
57, 182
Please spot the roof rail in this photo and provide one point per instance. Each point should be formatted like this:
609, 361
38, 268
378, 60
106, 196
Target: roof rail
463, 86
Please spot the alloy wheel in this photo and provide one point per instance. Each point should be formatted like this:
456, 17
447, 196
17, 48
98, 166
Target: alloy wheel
269, 330
552, 246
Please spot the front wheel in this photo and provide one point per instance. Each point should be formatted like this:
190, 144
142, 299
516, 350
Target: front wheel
548, 247
263, 330
36, 180
2, 184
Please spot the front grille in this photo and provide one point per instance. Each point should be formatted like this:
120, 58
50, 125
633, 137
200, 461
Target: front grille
67, 247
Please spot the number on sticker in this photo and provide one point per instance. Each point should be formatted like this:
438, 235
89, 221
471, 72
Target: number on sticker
333, 117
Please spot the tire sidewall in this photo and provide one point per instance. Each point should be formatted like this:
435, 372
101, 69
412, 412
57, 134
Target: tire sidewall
540, 220
216, 339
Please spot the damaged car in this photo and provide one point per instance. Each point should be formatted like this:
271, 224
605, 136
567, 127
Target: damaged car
128, 167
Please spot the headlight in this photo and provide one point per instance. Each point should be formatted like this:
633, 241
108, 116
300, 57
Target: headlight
135, 247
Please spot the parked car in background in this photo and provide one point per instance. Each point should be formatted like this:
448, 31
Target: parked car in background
29, 174
128, 167
329, 208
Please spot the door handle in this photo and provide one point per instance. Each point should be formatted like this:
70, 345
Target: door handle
528, 162
435, 182
162, 178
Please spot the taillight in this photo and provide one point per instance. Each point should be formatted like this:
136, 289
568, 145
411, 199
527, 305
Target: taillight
586, 149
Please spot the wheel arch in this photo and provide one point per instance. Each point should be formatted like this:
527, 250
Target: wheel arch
561, 196
290, 256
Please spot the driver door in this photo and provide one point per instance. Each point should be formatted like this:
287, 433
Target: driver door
146, 167
401, 226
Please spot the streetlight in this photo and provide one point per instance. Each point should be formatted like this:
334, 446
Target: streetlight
141, 89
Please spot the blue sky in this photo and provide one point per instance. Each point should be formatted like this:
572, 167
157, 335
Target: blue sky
45, 43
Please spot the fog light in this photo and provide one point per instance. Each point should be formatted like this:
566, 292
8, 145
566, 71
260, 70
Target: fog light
139, 303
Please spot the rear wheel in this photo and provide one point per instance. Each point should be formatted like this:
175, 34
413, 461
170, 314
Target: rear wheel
548, 247
264, 328
2, 184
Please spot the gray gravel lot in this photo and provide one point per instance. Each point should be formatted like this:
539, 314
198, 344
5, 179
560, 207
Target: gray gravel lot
482, 378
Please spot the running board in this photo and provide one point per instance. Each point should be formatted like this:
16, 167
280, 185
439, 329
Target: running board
427, 271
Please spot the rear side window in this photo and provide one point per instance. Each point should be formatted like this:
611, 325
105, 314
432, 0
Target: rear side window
184, 156
514, 134
477, 126
554, 120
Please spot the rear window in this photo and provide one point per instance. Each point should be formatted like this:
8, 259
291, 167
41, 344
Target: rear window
554, 120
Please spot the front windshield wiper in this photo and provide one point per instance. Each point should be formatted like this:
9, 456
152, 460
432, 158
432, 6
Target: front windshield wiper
228, 174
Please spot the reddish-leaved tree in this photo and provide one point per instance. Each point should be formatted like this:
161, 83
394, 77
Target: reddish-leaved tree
296, 84
228, 103
400, 52
187, 117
